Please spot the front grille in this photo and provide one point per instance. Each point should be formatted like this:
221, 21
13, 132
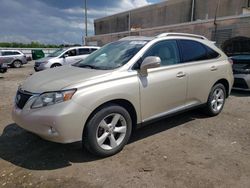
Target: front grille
240, 83
21, 99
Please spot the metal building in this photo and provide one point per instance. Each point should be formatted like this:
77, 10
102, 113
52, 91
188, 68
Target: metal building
218, 20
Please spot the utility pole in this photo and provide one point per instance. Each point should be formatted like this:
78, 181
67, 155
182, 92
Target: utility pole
192, 10
215, 19
86, 20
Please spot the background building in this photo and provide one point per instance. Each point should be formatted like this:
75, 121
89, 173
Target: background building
218, 20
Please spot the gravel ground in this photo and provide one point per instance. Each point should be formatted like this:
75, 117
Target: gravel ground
188, 150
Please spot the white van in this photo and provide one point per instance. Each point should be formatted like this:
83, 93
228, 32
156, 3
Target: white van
64, 57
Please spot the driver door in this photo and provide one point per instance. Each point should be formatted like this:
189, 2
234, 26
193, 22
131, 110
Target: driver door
70, 57
164, 89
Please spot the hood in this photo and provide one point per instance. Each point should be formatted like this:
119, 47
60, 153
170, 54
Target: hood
44, 59
61, 77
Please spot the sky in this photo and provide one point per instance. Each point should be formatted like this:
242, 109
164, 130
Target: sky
56, 21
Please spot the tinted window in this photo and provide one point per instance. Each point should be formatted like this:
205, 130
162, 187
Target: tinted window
6, 53
211, 53
166, 50
83, 51
92, 50
71, 53
192, 51
15, 53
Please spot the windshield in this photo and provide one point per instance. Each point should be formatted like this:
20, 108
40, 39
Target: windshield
56, 53
112, 55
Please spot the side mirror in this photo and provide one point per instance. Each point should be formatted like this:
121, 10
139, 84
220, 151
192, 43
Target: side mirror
149, 63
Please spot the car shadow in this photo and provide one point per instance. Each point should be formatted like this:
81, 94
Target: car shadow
240, 93
27, 150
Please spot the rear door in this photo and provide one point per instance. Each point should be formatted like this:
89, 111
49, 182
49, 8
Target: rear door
202, 69
163, 90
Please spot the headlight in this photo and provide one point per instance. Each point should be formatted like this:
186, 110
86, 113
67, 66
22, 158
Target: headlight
50, 98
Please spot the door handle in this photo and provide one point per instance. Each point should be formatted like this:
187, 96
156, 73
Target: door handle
180, 75
213, 68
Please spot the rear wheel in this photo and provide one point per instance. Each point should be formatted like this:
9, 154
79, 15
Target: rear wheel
55, 65
17, 64
107, 131
216, 100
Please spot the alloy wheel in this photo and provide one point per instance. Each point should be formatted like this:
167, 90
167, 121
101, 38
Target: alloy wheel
111, 131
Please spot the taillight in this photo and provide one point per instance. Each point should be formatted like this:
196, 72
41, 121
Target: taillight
230, 61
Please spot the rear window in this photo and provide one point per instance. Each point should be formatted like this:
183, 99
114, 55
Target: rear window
195, 51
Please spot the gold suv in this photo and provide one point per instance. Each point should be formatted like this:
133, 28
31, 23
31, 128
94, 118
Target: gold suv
124, 84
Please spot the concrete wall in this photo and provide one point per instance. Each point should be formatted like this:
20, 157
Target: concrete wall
167, 13
227, 27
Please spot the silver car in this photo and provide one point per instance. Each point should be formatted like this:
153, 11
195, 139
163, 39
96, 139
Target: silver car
241, 70
130, 82
13, 58
64, 57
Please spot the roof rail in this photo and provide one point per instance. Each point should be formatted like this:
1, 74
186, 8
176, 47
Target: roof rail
181, 35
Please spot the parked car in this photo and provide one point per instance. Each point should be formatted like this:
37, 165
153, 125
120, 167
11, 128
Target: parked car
3, 67
241, 70
130, 82
13, 58
64, 57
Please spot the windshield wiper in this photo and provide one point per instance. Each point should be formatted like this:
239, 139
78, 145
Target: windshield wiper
89, 66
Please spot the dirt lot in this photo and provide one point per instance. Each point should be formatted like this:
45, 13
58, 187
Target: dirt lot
190, 150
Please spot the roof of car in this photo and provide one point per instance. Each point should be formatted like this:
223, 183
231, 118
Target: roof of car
76, 47
138, 38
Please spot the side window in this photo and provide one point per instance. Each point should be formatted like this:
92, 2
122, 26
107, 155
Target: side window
211, 53
6, 53
92, 50
192, 51
83, 51
166, 50
15, 53
71, 53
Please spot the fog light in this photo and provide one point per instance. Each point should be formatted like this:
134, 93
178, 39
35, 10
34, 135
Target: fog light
52, 131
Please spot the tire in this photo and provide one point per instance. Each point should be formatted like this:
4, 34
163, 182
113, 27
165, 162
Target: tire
216, 100
104, 138
16, 64
55, 65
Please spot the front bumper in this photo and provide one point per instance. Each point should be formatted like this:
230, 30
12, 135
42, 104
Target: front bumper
62, 123
242, 82
39, 67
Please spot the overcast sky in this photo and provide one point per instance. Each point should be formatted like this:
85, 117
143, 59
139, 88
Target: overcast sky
55, 21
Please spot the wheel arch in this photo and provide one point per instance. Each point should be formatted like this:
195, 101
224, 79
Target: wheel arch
16, 60
56, 63
121, 102
224, 82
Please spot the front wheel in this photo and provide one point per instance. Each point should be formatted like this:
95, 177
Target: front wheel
107, 131
216, 100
